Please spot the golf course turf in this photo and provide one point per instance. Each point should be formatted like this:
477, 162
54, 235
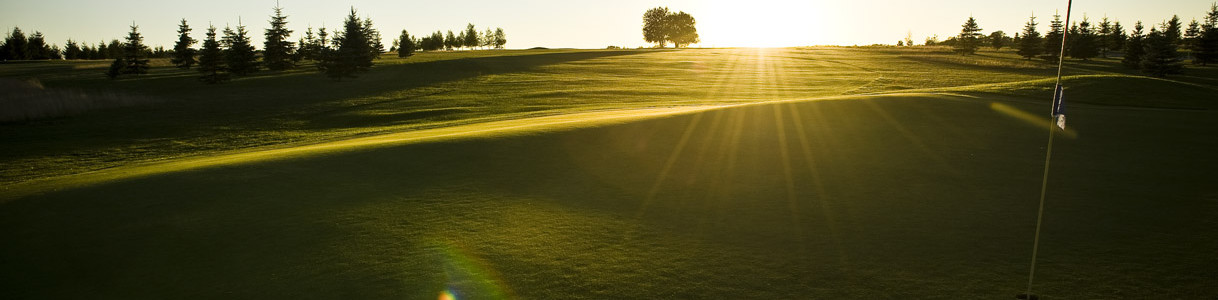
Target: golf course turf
817, 173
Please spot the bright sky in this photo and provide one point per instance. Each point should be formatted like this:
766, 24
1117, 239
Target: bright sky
580, 23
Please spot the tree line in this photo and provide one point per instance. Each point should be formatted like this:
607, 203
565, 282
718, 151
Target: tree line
341, 53
1157, 52
18, 46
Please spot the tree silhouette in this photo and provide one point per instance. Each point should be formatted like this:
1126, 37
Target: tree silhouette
211, 59
1161, 57
183, 54
71, 50
134, 53
37, 48
500, 38
1171, 30
655, 26
661, 26
682, 30
1116, 37
1134, 49
471, 36
1207, 46
969, 39
354, 52
1084, 46
1102, 42
277, 51
1030, 44
1053, 39
406, 46
373, 36
239, 54
15, 45
998, 39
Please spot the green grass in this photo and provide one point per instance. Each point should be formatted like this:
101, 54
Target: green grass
920, 182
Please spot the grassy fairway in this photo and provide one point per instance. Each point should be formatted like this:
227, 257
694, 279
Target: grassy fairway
905, 195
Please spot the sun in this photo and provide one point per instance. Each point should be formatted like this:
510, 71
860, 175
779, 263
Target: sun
773, 23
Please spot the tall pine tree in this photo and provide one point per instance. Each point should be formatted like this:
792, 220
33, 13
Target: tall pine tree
374, 39
1030, 44
239, 53
970, 37
354, 53
406, 46
277, 51
1134, 50
135, 53
1085, 45
1171, 30
183, 54
211, 59
1207, 49
1161, 57
1116, 37
1053, 39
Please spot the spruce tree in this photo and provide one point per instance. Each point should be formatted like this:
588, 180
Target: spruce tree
450, 41
71, 50
1085, 46
211, 59
1192, 39
1161, 57
183, 54
134, 52
1207, 50
1116, 37
1030, 44
375, 46
1171, 30
116, 68
15, 45
1134, 50
354, 53
239, 54
1053, 39
406, 46
1101, 37
38, 48
306, 45
969, 39
277, 50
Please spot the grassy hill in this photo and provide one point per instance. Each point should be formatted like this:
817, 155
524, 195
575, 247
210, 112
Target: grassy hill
713, 173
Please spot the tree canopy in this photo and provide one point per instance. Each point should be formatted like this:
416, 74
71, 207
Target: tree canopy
661, 26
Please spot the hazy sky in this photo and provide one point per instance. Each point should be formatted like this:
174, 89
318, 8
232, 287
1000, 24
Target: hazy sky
579, 23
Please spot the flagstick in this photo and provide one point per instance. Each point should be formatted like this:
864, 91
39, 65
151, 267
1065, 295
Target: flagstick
1044, 183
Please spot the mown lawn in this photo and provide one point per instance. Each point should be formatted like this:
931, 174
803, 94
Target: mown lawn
928, 194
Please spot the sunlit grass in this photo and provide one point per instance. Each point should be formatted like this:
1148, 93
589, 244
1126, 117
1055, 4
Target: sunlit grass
706, 173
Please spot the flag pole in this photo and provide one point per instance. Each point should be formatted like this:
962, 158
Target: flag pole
1044, 183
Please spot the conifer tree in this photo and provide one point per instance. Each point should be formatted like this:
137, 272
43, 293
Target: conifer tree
1101, 37
211, 59
1053, 39
183, 54
374, 39
488, 38
1207, 50
1116, 37
306, 45
277, 50
38, 48
134, 53
969, 39
239, 54
1171, 30
1161, 57
405, 45
116, 68
1030, 44
15, 45
71, 50
1134, 50
1085, 46
1192, 39
354, 53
